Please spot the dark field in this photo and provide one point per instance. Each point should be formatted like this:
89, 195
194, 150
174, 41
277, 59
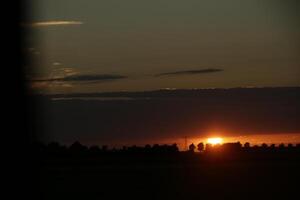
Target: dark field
183, 177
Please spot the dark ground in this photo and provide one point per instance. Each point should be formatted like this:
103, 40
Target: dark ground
179, 178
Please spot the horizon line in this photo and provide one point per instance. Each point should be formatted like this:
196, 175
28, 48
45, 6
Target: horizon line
167, 89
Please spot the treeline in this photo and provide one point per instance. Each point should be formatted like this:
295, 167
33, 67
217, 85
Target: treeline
78, 149
238, 147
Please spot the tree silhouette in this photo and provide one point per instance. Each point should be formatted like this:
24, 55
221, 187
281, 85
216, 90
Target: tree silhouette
104, 148
281, 146
94, 150
200, 147
247, 145
77, 148
264, 146
55, 147
174, 148
192, 147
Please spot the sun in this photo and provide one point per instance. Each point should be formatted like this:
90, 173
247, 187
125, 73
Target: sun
214, 141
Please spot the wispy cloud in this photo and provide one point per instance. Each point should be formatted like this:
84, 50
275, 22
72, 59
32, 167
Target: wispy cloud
45, 85
68, 71
52, 23
190, 72
82, 78
70, 79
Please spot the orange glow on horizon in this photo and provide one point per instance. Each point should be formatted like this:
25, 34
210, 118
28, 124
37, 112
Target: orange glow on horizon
253, 139
215, 140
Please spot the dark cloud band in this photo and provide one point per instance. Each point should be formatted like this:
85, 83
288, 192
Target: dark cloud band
191, 72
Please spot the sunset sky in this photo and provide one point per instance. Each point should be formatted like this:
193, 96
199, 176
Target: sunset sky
144, 45
83, 46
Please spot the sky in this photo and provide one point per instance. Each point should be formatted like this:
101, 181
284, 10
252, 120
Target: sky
114, 46
96, 46
255, 115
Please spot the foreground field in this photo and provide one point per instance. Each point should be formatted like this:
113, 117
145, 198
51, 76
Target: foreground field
169, 180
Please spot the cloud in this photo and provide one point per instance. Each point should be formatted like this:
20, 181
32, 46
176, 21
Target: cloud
53, 23
190, 72
70, 79
45, 85
68, 71
82, 78
56, 63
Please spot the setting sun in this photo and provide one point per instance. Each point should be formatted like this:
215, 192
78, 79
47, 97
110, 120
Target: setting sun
214, 141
